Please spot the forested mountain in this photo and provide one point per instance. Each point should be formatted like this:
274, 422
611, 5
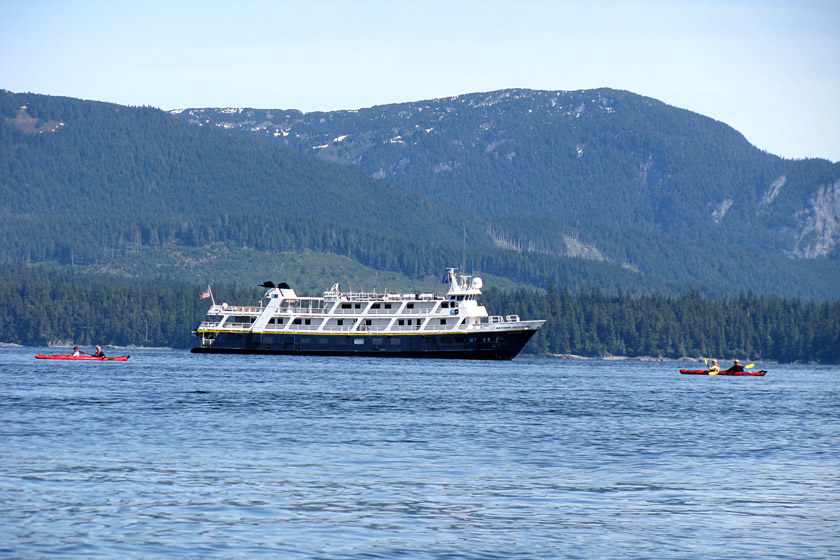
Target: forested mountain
92, 184
583, 189
601, 174
618, 215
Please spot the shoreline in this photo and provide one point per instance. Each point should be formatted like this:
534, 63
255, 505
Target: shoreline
640, 358
685, 359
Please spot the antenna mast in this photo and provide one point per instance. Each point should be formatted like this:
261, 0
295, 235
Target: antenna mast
464, 253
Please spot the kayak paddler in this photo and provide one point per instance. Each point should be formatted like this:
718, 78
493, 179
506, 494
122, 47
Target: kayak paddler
715, 367
77, 352
99, 353
736, 367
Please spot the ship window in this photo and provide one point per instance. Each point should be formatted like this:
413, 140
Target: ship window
430, 340
395, 341
368, 322
358, 341
377, 341
409, 306
358, 306
446, 340
323, 340
387, 306
445, 304
307, 321
305, 341
346, 306
339, 322
375, 306
443, 321
485, 339
471, 339
400, 322
459, 340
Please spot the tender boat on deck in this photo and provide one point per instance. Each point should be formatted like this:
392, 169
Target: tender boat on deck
391, 324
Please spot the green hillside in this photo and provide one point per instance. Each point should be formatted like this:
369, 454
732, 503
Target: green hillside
590, 189
669, 193
89, 183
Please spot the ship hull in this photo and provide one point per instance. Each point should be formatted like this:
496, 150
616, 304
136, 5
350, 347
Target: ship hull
491, 345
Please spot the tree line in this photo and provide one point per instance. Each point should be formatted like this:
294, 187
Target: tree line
748, 326
40, 306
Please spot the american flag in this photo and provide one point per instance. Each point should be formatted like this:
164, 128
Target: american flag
206, 294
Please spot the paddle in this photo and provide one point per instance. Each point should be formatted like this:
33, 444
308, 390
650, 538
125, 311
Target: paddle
707, 367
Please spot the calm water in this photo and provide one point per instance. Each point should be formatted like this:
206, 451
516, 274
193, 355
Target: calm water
175, 455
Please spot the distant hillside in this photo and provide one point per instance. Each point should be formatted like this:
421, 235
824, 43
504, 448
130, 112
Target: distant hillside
602, 174
92, 184
598, 189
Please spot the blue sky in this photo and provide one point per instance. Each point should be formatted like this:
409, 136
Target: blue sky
770, 69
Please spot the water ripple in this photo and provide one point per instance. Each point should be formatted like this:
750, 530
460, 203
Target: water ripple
174, 455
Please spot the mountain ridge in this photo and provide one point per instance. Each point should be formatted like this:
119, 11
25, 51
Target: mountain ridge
568, 160
603, 189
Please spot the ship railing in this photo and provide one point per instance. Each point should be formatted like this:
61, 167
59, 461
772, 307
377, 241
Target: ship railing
377, 329
237, 326
306, 328
338, 328
213, 325
412, 312
301, 310
240, 308
363, 296
499, 319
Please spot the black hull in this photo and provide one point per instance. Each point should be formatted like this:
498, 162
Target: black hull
499, 345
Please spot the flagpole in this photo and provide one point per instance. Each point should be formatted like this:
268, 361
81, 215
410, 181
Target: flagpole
212, 299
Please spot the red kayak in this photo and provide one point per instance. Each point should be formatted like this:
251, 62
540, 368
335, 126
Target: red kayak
83, 358
706, 372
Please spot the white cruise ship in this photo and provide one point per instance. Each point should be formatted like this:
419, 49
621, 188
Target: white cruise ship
367, 324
